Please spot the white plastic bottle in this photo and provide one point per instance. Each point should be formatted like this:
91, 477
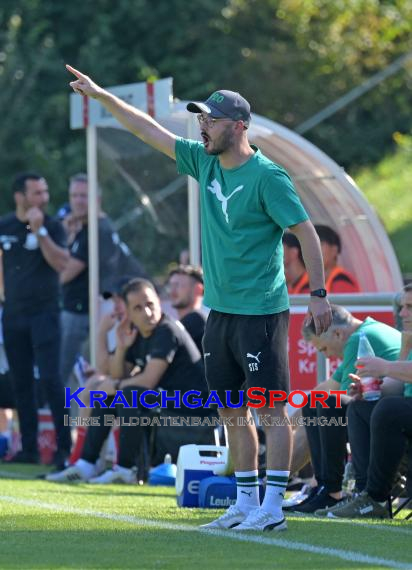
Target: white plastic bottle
371, 388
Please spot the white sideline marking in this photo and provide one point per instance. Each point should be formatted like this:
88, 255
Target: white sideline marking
387, 527
390, 527
346, 555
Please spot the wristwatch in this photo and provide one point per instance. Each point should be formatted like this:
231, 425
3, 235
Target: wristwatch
319, 293
42, 231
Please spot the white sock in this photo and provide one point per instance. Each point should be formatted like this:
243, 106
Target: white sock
88, 469
247, 489
276, 484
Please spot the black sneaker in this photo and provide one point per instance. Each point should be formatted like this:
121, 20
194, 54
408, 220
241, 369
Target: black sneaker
312, 493
24, 457
362, 506
321, 501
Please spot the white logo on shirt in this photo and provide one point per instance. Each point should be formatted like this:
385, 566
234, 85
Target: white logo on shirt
6, 241
31, 242
216, 189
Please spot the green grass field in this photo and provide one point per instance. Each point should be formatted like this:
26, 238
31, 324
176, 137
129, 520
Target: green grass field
50, 526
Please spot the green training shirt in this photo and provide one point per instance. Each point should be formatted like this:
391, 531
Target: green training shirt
244, 211
385, 341
407, 391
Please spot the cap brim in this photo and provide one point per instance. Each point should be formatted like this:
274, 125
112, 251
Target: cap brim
115, 287
197, 107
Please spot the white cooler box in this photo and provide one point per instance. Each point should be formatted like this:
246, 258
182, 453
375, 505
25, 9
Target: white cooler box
194, 463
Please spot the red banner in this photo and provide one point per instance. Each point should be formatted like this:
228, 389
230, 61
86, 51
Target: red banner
302, 355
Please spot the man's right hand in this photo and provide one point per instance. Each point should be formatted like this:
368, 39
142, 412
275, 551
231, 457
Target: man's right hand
84, 85
35, 217
320, 312
72, 226
134, 120
125, 334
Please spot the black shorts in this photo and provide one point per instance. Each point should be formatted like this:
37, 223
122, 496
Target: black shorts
245, 351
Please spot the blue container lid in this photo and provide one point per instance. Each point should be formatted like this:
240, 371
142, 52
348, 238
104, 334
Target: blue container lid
164, 474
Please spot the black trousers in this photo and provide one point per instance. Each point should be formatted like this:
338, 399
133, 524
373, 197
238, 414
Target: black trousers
131, 436
359, 430
391, 428
7, 399
32, 340
327, 443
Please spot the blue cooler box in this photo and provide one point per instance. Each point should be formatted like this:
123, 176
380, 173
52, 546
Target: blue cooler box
220, 492
191, 485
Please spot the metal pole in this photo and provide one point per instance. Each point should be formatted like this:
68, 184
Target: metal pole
349, 300
193, 202
93, 235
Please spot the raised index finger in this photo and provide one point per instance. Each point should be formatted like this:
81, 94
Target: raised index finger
75, 72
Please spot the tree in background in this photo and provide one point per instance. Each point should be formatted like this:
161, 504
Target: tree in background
291, 58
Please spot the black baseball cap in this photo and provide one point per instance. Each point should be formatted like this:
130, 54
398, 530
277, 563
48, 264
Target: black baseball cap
223, 104
115, 286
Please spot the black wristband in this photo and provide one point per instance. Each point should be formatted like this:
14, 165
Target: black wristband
319, 293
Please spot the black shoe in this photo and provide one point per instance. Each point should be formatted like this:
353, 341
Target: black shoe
312, 493
321, 501
24, 457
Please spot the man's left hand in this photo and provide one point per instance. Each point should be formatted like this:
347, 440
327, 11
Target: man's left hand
406, 341
35, 217
320, 313
108, 386
372, 366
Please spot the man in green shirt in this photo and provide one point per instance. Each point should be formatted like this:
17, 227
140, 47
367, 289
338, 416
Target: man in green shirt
390, 428
247, 202
327, 443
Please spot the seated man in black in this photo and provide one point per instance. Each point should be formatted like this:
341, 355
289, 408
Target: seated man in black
162, 356
185, 285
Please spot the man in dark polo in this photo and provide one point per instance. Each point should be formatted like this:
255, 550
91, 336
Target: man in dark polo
33, 254
113, 256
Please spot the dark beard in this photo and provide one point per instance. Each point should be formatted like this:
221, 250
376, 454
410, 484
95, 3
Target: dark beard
223, 143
